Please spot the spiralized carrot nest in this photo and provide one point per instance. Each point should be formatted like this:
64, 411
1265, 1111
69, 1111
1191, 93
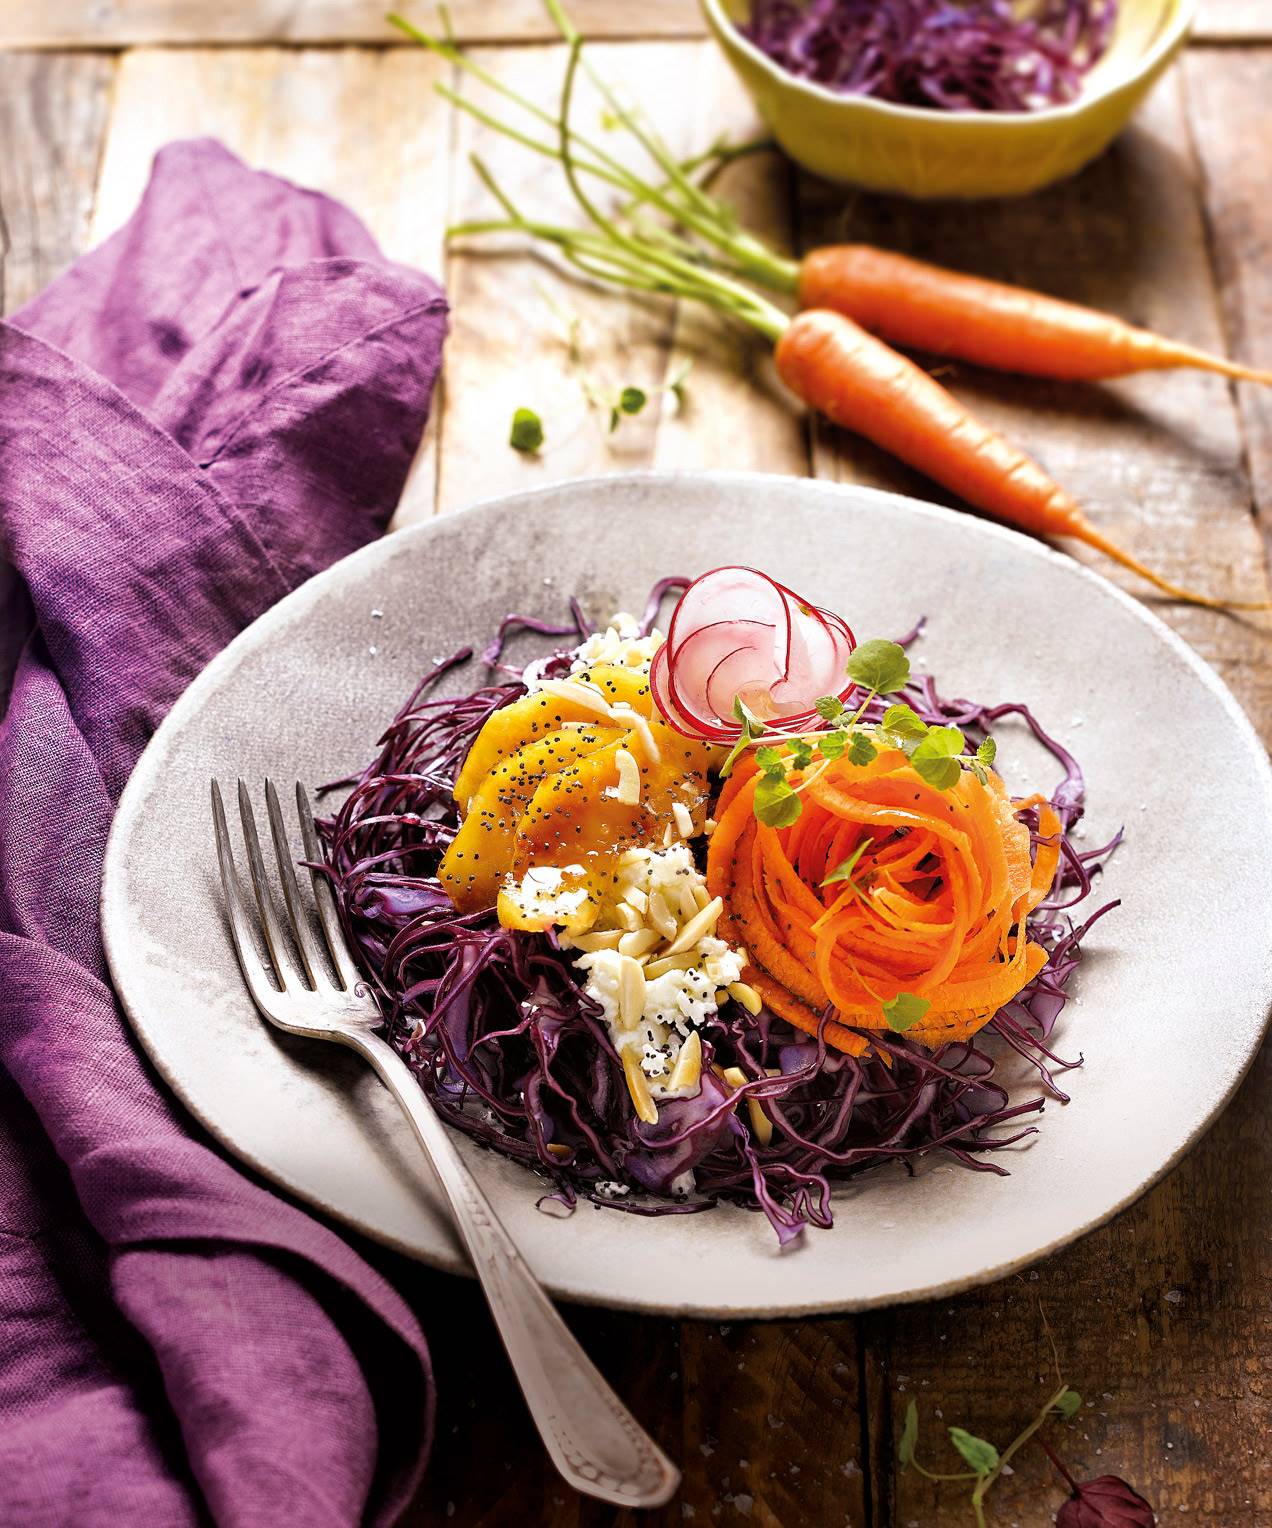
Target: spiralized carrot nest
936, 905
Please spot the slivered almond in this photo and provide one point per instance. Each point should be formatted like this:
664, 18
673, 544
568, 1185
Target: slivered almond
742, 992
638, 1087
709, 826
760, 1122
556, 1149
684, 822
701, 895
631, 992
635, 897
659, 915
642, 733
688, 1067
590, 943
697, 928
628, 917
628, 791
638, 943
688, 903
665, 963
669, 836
632, 856
585, 695
734, 1076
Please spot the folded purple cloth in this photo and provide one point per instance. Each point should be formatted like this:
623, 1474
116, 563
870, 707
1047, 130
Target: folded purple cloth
221, 400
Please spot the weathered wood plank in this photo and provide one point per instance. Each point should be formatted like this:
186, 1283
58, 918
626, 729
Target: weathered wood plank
1230, 111
53, 110
1233, 21
130, 23
363, 125
1161, 1319
510, 346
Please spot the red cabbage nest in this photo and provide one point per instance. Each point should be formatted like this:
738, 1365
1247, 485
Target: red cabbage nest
511, 1050
954, 55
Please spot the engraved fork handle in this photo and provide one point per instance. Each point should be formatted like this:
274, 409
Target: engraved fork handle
593, 1439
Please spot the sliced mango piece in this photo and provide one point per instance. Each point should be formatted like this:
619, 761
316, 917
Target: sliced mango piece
576, 818
542, 712
481, 853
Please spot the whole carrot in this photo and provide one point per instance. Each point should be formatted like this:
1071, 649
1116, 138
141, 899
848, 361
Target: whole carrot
1008, 328
857, 381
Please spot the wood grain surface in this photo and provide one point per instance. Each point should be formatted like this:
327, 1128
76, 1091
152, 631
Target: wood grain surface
133, 23
1163, 1320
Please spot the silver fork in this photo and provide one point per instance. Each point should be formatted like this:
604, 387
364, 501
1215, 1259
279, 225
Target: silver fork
594, 1441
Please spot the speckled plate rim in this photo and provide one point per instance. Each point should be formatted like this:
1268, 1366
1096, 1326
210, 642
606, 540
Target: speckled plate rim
115, 930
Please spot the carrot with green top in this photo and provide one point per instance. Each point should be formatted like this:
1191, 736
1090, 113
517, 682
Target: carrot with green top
829, 360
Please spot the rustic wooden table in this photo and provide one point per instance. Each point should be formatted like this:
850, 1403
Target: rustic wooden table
1162, 1319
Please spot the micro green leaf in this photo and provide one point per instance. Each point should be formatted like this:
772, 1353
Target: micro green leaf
527, 431
771, 761
801, 752
904, 1011
937, 755
739, 748
903, 722
879, 665
843, 871
861, 750
829, 707
980, 1455
831, 745
751, 724
776, 804
632, 399
1069, 1404
987, 752
909, 1439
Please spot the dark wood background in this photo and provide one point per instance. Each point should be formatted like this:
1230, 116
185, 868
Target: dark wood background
1163, 1320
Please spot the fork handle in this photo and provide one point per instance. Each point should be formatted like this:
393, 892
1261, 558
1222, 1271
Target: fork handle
594, 1441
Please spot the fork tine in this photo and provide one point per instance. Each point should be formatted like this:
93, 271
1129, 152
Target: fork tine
327, 915
264, 898
302, 933
252, 966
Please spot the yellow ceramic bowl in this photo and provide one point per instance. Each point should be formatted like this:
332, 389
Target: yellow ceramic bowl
930, 153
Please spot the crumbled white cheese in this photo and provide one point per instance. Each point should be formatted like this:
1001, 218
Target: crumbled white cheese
542, 895
620, 645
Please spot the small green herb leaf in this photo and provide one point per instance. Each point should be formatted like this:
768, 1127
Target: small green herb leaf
909, 1436
771, 761
632, 399
987, 752
880, 666
901, 721
751, 724
829, 707
527, 431
981, 1456
776, 804
861, 750
904, 1011
936, 757
801, 753
832, 744
739, 748
1069, 1404
843, 872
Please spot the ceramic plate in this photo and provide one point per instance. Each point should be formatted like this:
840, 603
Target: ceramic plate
305, 692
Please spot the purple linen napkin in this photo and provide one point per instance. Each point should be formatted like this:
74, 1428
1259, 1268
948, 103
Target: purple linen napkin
218, 402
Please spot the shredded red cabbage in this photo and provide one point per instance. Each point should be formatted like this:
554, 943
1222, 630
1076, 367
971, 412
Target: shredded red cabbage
511, 1049
957, 55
